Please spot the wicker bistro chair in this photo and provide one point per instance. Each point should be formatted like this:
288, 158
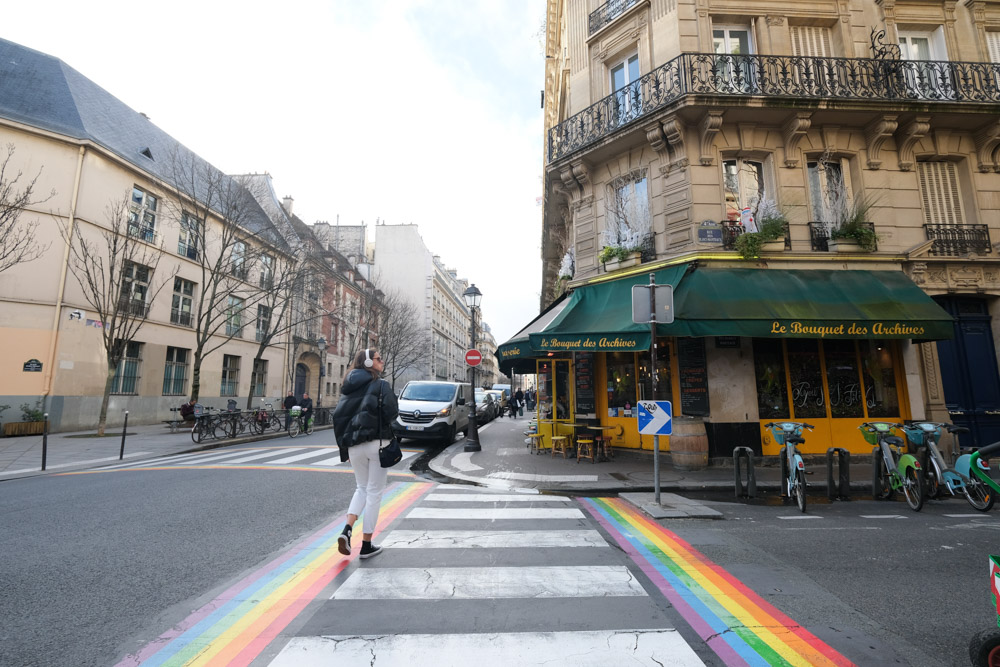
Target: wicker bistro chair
585, 446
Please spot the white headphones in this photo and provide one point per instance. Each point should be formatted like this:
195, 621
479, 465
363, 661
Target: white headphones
368, 359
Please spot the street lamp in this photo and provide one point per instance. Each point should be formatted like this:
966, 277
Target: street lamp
321, 344
472, 298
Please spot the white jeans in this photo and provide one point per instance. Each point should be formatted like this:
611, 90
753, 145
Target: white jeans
371, 476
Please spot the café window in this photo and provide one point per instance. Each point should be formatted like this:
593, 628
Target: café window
879, 375
621, 383
663, 391
772, 387
842, 378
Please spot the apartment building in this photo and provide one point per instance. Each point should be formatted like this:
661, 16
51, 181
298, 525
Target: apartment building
820, 184
99, 167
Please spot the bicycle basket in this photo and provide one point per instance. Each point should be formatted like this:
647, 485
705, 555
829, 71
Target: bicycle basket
782, 429
916, 433
871, 433
295, 410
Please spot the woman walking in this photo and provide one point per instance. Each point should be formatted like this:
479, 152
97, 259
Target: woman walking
362, 417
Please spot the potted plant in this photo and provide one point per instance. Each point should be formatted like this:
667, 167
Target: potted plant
627, 231
770, 234
615, 257
32, 421
852, 232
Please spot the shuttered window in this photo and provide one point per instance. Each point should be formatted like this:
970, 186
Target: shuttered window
940, 194
810, 40
993, 44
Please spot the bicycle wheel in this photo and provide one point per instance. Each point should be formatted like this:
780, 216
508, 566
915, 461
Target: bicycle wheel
275, 423
932, 489
978, 495
912, 491
309, 426
220, 429
293, 430
799, 489
881, 482
196, 432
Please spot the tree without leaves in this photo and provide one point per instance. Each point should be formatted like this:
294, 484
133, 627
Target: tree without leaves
115, 274
402, 340
223, 296
17, 241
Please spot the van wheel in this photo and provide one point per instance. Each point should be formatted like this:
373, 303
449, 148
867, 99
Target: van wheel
452, 432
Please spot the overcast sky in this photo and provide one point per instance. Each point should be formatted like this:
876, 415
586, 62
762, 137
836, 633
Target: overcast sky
407, 111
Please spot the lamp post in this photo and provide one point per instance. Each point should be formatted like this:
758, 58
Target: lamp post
321, 344
472, 298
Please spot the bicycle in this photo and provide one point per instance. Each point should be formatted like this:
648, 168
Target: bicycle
938, 476
204, 424
229, 424
892, 471
264, 418
793, 470
298, 426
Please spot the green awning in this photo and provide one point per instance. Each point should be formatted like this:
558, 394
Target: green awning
598, 318
763, 303
518, 353
817, 303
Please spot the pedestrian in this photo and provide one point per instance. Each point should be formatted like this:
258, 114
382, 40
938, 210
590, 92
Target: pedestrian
187, 410
289, 403
519, 401
363, 417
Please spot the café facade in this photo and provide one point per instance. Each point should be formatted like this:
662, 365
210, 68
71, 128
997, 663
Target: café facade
832, 347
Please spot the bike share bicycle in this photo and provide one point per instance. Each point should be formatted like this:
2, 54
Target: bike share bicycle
264, 418
938, 476
298, 426
984, 648
892, 471
793, 470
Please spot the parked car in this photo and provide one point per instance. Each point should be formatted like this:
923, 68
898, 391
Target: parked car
433, 410
500, 397
486, 407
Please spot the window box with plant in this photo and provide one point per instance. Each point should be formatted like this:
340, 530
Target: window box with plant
32, 421
627, 229
843, 219
772, 228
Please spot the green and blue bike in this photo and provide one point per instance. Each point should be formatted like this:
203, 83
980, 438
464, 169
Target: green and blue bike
892, 471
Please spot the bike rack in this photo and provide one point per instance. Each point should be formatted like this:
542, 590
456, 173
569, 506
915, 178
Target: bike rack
842, 490
751, 483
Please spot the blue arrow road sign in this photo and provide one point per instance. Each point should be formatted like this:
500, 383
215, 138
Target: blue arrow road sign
655, 417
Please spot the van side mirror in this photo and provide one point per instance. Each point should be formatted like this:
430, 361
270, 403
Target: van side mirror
461, 400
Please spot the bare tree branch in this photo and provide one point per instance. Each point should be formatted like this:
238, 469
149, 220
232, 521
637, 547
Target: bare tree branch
17, 241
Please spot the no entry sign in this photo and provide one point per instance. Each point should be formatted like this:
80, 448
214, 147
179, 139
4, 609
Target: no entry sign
473, 357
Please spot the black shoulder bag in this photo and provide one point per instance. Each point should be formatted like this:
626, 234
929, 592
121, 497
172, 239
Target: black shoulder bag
389, 454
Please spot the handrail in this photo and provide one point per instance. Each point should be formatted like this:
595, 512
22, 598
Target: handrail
807, 77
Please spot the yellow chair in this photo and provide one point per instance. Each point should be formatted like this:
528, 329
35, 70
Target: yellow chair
537, 442
560, 443
585, 449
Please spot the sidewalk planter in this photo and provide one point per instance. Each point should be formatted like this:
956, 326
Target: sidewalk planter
23, 428
689, 445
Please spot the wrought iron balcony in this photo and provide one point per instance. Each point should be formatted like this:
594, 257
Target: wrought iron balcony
132, 307
732, 230
819, 234
608, 12
182, 317
958, 240
786, 77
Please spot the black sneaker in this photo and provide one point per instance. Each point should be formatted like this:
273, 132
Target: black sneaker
344, 543
368, 550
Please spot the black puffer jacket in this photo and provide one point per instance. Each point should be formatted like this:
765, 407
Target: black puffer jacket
356, 418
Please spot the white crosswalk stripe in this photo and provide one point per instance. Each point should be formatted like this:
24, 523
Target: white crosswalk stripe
479, 591
317, 457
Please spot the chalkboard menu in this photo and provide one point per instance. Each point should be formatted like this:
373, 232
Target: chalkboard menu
584, 372
693, 376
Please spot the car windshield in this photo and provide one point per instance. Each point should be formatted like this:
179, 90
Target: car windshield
481, 396
428, 392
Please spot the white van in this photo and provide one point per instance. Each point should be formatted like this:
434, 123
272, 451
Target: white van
433, 410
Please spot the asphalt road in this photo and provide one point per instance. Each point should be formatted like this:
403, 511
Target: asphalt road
89, 563
918, 584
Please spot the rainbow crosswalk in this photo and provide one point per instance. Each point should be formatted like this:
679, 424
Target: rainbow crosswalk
740, 626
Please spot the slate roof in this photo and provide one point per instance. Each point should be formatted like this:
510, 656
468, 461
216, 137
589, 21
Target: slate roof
41, 91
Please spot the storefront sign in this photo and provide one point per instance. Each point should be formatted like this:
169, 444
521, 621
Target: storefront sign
510, 352
846, 329
693, 368
727, 341
32, 366
609, 343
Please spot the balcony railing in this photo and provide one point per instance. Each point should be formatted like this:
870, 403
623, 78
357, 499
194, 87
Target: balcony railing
958, 240
819, 234
181, 317
133, 307
147, 234
733, 230
788, 77
608, 12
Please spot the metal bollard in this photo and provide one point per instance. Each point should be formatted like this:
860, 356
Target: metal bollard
121, 454
45, 439
841, 490
751, 484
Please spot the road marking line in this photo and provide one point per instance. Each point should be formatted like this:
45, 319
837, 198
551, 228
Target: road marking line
800, 516
261, 455
489, 583
464, 462
205, 458
495, 498
588, 648
495, 513
499, 539
967, 516
308, 455
883, 516
527, 477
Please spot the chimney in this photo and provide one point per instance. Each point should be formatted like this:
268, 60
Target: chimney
286, 204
